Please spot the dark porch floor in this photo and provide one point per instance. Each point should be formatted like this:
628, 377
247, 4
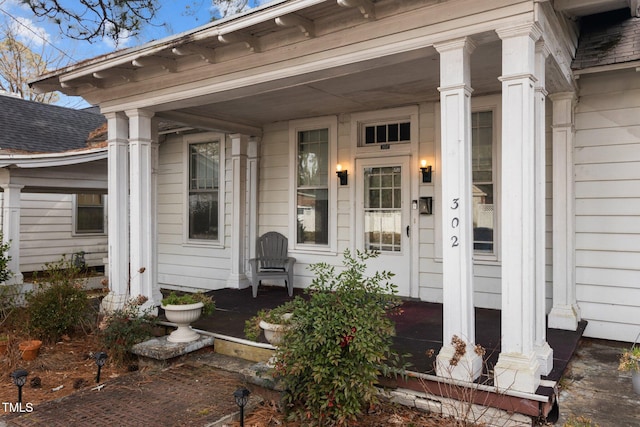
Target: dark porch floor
418, 328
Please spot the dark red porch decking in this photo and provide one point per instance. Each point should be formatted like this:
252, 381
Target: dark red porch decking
418, 328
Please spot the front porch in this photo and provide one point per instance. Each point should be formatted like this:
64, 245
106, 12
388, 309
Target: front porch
419, 329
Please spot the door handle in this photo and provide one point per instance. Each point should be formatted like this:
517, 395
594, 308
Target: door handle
408, 231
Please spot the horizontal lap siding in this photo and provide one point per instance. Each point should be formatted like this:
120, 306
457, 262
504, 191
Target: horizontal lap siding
46, 233
181, 264
607, 189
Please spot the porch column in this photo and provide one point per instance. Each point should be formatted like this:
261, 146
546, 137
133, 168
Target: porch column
565, 313
457, 214
237, 277
142, 199
11, 229
118, 210
542, 348
518, 367
253, 164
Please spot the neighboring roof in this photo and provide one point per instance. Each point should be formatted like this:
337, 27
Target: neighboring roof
28, 126
607, 39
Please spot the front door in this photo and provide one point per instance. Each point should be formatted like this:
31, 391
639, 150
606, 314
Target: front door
383, 216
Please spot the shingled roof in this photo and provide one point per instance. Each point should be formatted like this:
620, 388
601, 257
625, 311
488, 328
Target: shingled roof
608, 38
28, 126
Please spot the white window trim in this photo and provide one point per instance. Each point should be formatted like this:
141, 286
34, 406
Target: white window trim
295, 126
74, 217
483, 103
197, 138
358, 120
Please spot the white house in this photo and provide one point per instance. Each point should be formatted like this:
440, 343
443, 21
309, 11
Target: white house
53, 185
535, 164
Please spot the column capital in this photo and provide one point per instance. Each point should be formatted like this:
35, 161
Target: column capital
12, 186
532, 30
465, 43
139, 112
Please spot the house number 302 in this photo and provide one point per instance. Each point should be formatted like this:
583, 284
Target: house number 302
455, 222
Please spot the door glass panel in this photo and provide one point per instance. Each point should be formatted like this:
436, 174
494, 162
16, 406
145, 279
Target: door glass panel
382, 209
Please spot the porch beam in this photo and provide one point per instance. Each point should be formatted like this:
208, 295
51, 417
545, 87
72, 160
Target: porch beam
518, 367
457, 212
210, 123
142, 204
118, 210
11, 212
542, 348
565, 313
237, 276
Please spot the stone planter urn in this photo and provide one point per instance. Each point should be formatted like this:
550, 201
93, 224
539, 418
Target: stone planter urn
274, 332
183, 315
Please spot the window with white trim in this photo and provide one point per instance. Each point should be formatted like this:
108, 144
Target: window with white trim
314, 185
204, 190
482, 150
89, 214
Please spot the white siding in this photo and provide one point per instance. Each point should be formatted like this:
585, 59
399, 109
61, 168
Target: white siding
182, 264
607, 170
47, 232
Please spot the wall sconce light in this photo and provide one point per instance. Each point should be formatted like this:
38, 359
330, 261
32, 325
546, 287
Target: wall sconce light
19, 377
241, 397
342, 174
426, 171
100, 357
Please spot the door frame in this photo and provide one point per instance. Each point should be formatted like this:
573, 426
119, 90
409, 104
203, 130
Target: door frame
414, 237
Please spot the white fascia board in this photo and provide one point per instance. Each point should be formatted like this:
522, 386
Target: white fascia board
28, 161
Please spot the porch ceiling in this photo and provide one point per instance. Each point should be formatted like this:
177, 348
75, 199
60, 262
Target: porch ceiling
378, 84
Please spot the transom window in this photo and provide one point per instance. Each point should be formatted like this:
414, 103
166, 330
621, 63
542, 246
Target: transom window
90, 218
312, 189
385, 133
483, 181
204, 190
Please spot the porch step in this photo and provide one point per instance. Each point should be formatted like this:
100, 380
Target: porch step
159, 349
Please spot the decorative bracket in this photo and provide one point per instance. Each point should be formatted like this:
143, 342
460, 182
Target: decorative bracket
292, 20
365, 6
206, 54
154, 61
126, 75
249, 41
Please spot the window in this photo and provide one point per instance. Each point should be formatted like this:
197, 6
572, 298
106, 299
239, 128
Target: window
89, 218
312, 189
384, 133
204, 190
483, 181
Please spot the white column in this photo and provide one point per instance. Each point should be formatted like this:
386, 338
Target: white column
11, 229
253, 163
142, 197
237, 277
542, 348
565, 313
517, 367
457, 214
118, 210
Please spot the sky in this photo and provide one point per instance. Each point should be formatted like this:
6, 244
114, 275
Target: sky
174, 17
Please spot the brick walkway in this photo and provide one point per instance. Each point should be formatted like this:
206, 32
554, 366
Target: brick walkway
187, 394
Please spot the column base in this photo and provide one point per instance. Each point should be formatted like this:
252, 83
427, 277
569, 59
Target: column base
468, 368
112, 302
544, 354
564, 317
238, 281
517, 372
15, 279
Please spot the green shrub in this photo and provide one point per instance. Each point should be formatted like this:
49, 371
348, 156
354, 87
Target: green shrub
59, 304
339, 344
5, 273
125, 327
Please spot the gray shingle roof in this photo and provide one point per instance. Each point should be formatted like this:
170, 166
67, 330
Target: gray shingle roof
608, 38
44, 128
